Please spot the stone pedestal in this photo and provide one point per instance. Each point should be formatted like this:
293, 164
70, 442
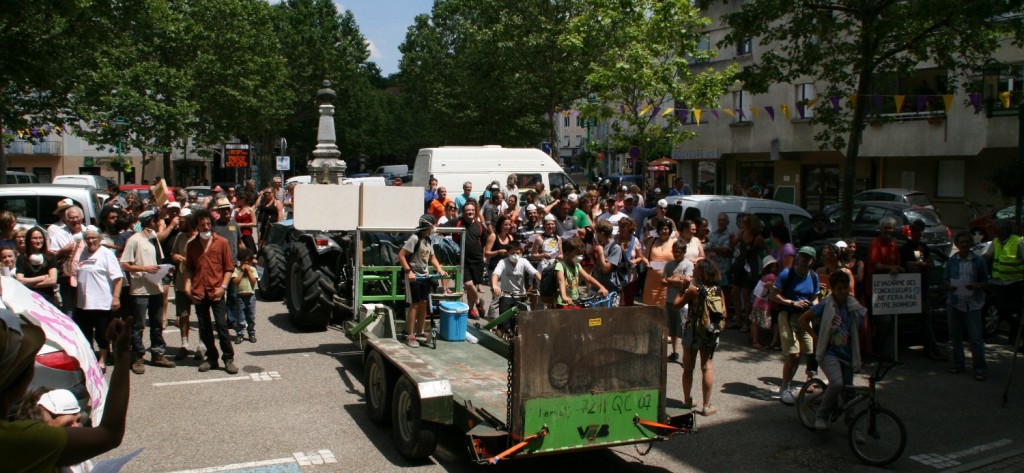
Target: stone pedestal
326, 166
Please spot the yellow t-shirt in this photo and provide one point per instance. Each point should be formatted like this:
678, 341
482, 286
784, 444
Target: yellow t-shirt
244, 286
31, 446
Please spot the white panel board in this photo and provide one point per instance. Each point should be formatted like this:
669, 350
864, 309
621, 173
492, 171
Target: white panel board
325, 207
391, 207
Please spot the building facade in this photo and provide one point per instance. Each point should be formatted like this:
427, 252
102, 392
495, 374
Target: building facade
763, 144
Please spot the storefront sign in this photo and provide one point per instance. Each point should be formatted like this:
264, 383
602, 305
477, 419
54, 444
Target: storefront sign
699, 154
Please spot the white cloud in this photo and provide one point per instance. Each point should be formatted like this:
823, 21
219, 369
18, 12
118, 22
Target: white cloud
374, 50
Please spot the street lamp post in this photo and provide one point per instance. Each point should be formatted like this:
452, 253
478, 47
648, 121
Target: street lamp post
119, 123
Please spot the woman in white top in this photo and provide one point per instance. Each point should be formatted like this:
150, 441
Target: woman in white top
688, 234
547, 247
99, 290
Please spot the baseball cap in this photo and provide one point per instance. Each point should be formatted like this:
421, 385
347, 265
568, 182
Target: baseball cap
623, 188
657, 190
185, 212
663, 203
59, 402
630, 197
172, 205
767, 260
426, 221
573, 197
841, 244
550, 217
147, 216
531, 207
807, 250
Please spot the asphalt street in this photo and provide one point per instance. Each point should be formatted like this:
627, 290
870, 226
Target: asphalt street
297, 405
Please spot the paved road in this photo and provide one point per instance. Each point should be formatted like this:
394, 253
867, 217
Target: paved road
297, 406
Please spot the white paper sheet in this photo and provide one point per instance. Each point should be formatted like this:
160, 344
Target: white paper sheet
158, 276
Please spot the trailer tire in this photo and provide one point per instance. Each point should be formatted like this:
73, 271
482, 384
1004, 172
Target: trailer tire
275, 267
414, 438
310, 293
379, 387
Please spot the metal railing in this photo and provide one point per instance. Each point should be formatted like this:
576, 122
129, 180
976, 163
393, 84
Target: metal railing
21, 147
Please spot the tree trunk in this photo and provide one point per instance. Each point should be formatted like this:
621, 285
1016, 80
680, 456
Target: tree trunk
853, 150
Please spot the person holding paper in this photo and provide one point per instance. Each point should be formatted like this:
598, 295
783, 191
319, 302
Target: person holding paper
966, 274
98, 292
139, 259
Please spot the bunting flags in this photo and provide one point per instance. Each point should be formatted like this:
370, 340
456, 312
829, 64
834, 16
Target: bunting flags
771, 112
785, 110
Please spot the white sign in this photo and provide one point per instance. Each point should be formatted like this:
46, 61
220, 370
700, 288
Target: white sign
896, 294
61, 329
284, 163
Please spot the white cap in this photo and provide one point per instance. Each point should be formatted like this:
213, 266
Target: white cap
573, 197
657, 190
172, 205
623, 188
663, 203
59, 402
550, 217
841, 244
185, 212
531, 207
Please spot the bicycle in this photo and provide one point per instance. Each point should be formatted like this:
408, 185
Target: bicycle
504, 324
594, 301
875, 434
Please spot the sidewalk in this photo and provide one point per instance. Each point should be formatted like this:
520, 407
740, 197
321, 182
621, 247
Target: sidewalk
1007, 462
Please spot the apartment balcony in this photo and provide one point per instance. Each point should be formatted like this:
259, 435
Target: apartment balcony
25, 148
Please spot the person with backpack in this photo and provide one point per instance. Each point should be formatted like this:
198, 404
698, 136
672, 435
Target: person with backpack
568, 273
703, 326
416, 258
796, 290
610, 266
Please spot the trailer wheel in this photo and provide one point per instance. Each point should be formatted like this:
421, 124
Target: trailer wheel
378, 388
414, 438
310, 292
275, 267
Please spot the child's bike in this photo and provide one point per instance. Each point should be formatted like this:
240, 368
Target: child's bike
875, 434
594, 300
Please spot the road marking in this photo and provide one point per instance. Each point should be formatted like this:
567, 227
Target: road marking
948, 460
261, 376
283, 465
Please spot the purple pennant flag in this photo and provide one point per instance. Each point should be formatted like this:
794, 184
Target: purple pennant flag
800, 109
922, 100
876, 101
740, 112
771, 111
655, 112
684, 114
622, 109
835, 102
976, 102
715, 113
34, 132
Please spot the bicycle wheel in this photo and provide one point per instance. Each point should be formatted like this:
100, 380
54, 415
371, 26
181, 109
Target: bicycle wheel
809, 401
877, 436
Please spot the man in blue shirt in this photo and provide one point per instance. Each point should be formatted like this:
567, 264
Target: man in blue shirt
460, 200
430, 194
679, 187
795, 291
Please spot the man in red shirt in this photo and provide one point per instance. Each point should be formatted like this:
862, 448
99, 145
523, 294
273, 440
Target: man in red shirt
208, 267
884, 257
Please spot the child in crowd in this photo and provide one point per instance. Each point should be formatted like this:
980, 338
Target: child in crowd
678, 273
7, 260
416, 257
244, 279
509, 277
761, 315
836, 321
569, 272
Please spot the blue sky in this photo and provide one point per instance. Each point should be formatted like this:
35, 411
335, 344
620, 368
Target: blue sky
384, 24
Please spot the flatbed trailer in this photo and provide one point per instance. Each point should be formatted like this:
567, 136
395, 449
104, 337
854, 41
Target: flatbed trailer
567, 381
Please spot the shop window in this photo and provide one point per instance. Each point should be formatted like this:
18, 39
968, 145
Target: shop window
45, 175
756, 178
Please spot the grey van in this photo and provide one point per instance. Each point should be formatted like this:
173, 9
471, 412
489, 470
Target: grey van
38, 201
18, 177
771, 212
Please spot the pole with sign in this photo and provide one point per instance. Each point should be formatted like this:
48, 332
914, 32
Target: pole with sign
283, 163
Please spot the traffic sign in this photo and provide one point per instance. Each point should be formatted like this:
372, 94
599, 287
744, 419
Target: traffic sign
284, 163
634, 152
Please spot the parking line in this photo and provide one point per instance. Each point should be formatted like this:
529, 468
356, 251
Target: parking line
290, 464
198, 381
942, 461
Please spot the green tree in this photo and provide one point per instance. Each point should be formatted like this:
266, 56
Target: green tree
643, 69
46, 46
847, 44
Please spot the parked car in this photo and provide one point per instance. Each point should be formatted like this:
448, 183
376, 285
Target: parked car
142, 191
18, 177
867, 216
201, 191
98, 182
38, 201
905, 196
983, 228
771, 212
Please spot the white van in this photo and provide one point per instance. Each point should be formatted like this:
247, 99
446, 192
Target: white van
98, 182
454, 165
771, 212
392, 171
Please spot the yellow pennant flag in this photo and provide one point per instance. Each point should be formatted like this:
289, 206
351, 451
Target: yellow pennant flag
899, 103
645, 110
810, 103
853, 100
948, 101
728, 111
754, 112
696, 115
668, 111
785, 110
1004, 98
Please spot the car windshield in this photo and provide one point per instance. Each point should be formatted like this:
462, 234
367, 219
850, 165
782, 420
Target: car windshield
928, 216
918, 199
